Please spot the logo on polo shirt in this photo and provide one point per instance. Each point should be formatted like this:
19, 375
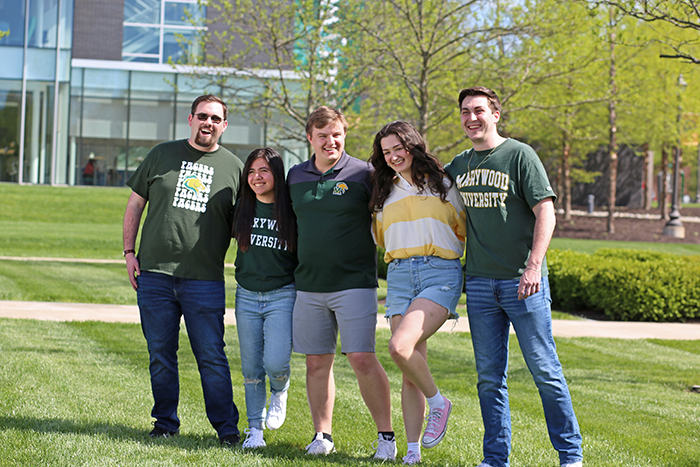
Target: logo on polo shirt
340, 188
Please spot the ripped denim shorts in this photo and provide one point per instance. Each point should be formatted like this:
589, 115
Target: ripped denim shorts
436, 279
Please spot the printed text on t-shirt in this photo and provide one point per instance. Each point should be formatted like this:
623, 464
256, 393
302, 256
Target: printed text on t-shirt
193, 186
484, 177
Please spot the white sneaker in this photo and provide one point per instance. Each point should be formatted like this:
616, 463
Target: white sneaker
320, 445
412, 458
484, 464
573, 464
277, 412
386, 450
254, 439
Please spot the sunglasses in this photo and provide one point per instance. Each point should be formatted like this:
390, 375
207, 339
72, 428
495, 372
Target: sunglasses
215, 119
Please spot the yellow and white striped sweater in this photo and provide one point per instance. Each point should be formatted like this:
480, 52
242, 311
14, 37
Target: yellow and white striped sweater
420, 224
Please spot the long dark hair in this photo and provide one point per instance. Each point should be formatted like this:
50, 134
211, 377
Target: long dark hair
245, 209
425, 168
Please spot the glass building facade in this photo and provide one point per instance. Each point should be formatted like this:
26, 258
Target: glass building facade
35, 53
85, 93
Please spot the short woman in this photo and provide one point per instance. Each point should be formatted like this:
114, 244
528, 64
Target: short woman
420, 220
265, 228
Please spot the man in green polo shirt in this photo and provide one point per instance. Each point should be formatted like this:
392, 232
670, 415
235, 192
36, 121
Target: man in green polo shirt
336, 279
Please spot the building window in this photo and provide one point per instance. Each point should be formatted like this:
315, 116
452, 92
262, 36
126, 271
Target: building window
158, 31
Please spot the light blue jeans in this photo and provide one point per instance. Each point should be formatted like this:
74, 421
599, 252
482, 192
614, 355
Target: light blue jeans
264, 322
493, 304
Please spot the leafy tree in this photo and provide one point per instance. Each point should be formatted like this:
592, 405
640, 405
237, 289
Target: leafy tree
681, 14
278, 60
557, 110
425, 56
662, 30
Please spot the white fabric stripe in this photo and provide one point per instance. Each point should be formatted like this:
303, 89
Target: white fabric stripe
420, 232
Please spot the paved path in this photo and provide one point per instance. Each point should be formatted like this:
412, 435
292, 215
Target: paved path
561, 328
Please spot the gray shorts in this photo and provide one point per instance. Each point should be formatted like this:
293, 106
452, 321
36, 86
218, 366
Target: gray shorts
318, 317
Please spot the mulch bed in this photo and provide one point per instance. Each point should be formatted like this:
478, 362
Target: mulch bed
627, 229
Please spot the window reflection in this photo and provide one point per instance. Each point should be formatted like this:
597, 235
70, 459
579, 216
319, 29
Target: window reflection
12, 20
141, 41
151, 34
183, 14
43, 23
10, 100
142, 11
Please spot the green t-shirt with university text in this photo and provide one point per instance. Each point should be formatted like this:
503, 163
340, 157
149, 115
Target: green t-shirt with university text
499, 189
267, 264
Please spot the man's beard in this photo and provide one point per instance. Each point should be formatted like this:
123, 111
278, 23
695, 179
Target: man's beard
199, 140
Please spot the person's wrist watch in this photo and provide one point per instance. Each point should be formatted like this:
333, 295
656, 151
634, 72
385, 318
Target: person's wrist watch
126, 252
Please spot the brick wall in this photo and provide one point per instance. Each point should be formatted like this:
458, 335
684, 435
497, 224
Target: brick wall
98, 29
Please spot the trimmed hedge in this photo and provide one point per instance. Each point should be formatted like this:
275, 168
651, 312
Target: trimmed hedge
626, 285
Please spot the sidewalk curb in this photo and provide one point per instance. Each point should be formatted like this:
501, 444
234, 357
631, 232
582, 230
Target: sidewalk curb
560, 327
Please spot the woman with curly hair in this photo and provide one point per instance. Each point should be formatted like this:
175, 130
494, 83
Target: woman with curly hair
420, 220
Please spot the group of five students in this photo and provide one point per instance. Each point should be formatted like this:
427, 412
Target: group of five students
306, 272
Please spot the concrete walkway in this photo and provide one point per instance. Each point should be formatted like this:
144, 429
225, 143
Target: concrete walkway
561, 328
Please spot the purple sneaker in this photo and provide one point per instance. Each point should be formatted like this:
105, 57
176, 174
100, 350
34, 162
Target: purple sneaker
436, 425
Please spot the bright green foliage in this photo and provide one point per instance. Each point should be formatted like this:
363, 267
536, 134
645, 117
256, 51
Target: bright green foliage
627, 285
425, 49
281, 59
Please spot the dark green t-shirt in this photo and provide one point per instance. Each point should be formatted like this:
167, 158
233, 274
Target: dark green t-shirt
190, 197
335, 246
499, 189
266, 265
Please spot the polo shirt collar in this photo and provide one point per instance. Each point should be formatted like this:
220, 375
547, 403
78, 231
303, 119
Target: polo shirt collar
342, 162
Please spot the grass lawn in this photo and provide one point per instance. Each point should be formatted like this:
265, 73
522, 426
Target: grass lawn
86, 222
77, 393
590, 246
64, 222
51, 281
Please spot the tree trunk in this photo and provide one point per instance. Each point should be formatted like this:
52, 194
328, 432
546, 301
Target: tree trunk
663, 193
612, 107
648, 176
566, 173
560, 183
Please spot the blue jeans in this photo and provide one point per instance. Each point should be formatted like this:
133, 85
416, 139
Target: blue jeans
163, 300
264, 322
492, 305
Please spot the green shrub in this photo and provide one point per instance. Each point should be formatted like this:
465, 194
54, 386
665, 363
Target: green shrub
568, 273
381, 265
627, 285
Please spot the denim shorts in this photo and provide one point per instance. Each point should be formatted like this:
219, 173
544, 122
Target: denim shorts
431, 277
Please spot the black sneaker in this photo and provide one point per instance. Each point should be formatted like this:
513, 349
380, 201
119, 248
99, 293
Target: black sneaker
230, 440
160, 432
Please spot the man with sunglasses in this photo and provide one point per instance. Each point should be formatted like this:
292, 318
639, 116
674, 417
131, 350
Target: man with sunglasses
191, 185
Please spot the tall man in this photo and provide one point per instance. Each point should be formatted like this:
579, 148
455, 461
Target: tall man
191, 186
510, 215
336, 279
